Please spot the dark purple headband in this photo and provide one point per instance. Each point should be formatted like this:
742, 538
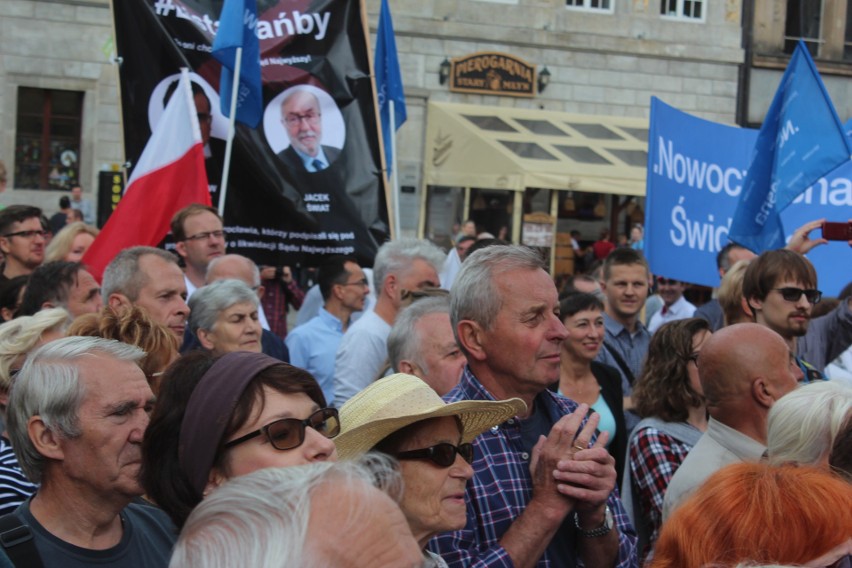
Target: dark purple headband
209, 410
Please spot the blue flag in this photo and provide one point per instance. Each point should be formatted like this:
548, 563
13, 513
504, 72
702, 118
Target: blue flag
801, 140
237, 25
388, 80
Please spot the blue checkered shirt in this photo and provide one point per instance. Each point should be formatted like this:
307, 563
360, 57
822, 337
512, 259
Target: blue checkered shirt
501, 488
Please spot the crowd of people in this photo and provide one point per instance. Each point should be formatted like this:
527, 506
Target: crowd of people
434, 409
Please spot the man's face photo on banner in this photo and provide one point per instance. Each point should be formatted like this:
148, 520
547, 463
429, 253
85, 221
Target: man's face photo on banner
306, 119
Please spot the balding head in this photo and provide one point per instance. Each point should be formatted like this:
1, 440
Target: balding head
744, 368
233, 266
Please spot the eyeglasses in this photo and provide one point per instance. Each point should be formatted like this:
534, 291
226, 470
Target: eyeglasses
206, 235
793, 294
289, 433
413, 295
693, 357
667, 281
295, 119
443, 454
204, 117
28, 234
362, 283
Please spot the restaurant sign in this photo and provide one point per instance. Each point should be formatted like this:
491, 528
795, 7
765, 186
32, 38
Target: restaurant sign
493, 73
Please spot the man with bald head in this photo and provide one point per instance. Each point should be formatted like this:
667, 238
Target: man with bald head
301, 117
744, 369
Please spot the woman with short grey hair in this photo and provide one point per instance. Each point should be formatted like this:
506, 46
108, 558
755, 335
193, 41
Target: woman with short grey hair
223, 316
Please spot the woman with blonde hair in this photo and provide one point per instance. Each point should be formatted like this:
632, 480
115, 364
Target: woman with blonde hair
71, 243
135, 327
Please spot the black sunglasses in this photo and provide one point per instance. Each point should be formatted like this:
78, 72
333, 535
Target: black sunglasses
793, 294
443, 454
289, 433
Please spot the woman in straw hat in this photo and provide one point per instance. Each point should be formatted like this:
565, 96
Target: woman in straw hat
402, 416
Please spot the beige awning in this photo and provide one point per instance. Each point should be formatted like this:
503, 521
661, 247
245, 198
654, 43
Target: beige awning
514, 148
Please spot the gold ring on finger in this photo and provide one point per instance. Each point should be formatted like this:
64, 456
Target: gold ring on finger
579, 448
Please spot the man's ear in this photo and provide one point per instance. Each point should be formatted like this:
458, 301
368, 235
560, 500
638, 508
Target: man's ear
408, 368
47, 305
471, 339
46, 442
204, 338
214, 480
117, 301
180, 248
261, 290
4, 245
761, 391
754, 305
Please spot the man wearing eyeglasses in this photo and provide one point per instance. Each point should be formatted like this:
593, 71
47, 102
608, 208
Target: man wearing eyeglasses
780, 287
313, 345
22, 241
302, 119
199, 238
675, 306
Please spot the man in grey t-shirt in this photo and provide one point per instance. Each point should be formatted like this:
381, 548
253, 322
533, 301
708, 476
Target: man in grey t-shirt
76, 418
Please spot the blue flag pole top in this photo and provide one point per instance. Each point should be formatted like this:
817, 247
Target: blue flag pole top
388, 80
801, 140
237, 29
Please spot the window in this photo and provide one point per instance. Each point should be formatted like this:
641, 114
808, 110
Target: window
683, 9
591, 5
47, 145
803, 22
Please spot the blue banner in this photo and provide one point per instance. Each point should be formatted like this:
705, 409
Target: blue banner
801, 140
237, 28
696, 170
388, 80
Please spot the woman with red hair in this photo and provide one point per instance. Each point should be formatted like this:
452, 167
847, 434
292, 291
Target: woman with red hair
759, 514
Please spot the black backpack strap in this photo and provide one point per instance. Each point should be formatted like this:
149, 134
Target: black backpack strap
17, 541
619, 360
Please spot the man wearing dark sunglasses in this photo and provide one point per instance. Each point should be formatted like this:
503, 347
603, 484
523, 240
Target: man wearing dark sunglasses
543, 489
780, 287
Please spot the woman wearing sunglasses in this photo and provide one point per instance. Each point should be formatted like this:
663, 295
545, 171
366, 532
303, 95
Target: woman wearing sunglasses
402, 416
218, 418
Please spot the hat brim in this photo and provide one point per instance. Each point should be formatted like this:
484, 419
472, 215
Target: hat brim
476, 417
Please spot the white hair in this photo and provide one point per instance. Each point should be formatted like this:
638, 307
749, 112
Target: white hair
49, 386
803, 424
261, 519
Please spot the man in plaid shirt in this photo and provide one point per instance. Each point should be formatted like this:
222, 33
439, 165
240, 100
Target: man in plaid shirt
543, 492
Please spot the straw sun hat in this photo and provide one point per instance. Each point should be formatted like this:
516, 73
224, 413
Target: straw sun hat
394, 402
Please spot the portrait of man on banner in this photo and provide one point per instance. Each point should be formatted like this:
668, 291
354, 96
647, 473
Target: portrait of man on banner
213, 125
305, 128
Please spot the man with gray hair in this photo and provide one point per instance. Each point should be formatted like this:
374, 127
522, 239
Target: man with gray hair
543, 490
150, 278
76, 417
422, 343
342, 514
401, 266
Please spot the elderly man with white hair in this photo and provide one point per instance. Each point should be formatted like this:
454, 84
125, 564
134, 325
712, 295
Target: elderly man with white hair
341, 514
77, 413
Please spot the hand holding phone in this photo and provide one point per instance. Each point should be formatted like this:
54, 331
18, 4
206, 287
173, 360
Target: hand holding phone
837, 231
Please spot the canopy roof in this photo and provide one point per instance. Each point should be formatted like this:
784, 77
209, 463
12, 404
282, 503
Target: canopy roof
515, 148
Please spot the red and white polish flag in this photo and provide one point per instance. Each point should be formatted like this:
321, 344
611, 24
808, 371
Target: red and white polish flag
169, 176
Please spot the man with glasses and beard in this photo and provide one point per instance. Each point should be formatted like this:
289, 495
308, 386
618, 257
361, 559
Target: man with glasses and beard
780, 287
302, 119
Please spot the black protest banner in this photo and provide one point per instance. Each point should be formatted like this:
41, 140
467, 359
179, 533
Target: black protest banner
307, 182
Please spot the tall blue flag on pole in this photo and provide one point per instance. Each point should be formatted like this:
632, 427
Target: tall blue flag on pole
237, 28
388, 80
801, 140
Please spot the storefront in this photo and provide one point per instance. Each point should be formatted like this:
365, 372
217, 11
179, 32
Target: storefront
531, 176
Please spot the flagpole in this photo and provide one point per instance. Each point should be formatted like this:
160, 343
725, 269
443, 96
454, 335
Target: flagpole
394, 175
231, 123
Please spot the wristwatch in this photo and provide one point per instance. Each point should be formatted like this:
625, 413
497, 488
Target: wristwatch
601, 530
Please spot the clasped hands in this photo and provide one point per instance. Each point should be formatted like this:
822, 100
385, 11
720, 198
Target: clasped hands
568, 473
